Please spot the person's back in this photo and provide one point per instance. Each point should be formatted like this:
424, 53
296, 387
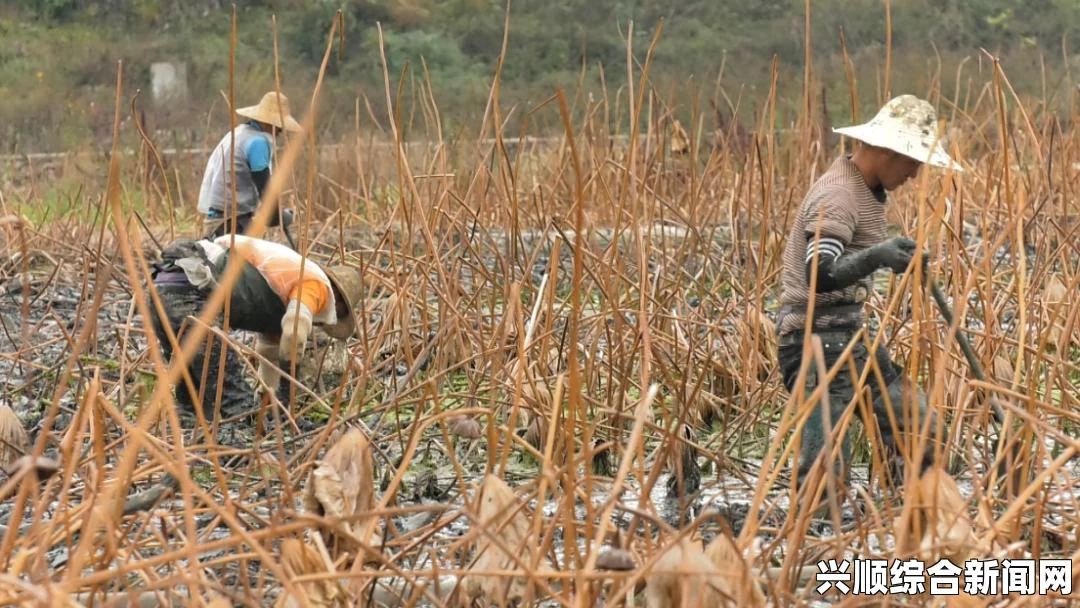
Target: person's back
252, 154
246, 150
268, 298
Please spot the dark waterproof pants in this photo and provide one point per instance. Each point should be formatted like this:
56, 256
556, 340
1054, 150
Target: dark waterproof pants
253, 307
897, 387
181, 302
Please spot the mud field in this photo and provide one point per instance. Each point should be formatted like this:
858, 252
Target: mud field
405, 368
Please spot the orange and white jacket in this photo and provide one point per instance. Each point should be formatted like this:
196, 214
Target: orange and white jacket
280, 266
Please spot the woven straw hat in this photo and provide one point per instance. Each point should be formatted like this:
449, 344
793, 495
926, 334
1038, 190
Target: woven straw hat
272, 108
908, 125
348, 289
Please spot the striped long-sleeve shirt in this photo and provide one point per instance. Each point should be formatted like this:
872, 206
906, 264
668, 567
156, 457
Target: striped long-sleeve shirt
851, 217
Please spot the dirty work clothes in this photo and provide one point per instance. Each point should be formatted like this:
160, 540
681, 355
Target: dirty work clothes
180, 302
280, 266
217, 225
841, 391
253, 306
852, 218
254, 148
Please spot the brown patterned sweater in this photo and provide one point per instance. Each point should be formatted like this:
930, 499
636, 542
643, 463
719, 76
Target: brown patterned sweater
851, 217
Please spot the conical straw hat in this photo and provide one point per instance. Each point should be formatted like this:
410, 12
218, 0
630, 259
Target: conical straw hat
908, 125
273, 109
348, 289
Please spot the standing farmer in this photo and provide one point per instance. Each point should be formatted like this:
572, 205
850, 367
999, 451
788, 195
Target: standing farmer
251, 159
839, 233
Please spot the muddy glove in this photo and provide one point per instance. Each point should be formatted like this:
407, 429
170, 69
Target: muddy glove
298, 314
835, 273
269, 376
287, 217
895, 253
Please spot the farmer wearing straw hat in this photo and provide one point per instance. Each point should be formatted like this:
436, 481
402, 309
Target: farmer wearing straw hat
252, 162
839, 233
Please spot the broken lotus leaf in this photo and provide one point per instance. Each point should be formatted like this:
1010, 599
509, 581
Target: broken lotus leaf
300, 559
501, 516
1055, 295
680, 141
735, 571
14, 441
325, 495
1056, 292
937, 525
342, 485
685, 576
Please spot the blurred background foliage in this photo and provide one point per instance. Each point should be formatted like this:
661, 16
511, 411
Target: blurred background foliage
58, 58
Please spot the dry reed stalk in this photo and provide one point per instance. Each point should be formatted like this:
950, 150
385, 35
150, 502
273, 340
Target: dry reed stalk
613, 322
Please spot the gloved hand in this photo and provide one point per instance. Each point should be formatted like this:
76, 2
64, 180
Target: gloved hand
287, 217
895, 253
298, 314
269, 375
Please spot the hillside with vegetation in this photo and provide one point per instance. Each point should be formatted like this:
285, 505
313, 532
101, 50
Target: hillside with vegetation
58, 58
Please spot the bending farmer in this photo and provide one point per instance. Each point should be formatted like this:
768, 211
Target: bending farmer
270, 298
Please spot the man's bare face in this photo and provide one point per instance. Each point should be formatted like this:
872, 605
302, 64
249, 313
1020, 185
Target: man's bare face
896, 169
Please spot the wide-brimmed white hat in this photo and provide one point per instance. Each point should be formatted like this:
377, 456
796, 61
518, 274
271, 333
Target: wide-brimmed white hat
908, 125
273, 109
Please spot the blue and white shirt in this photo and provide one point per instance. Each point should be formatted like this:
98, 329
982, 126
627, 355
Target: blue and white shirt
254, 153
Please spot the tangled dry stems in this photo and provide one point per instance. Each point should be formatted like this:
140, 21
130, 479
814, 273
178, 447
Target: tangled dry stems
534, 314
